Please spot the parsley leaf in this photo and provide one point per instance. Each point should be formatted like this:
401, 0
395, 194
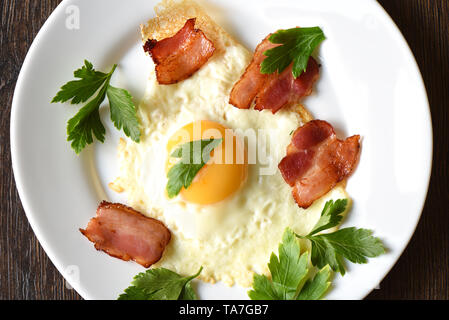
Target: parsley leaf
133, 293
289, 269
86, 123
351, 243
81, 90
194, 155
160, 284
297, 45
331, 215
123, 112
315, 288
287, 273
188, 293
354, 244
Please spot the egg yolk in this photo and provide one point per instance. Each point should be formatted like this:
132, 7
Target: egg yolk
226, 170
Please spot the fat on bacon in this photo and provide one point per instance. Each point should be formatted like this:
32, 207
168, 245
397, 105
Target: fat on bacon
316, 161
249, 85
178, 57
125, 233
272, 91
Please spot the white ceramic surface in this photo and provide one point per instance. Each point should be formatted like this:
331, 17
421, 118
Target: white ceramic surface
370, 85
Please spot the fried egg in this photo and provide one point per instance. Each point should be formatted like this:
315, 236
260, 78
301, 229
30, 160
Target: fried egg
234, 214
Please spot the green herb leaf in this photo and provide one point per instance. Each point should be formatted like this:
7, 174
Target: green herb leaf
331, 215
123, 112
356, 245
133, 293
160, 284
86, 123
297, 45
81, 90
350, 243
187, 293
263, 289
315, 288
287, 273
291, 267
194, 155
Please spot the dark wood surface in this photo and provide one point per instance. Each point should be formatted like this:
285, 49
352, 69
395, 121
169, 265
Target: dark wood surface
421, 273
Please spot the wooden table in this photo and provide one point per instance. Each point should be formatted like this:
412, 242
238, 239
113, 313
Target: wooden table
421, 273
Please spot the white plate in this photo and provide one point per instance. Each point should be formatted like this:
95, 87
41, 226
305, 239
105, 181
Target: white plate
370, 85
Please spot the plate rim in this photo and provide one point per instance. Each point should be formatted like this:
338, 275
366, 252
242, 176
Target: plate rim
430, 159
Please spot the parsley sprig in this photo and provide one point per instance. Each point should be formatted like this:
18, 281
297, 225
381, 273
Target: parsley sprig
194, 156
297, 45
356, 245
290, 275
160, 284
86, 123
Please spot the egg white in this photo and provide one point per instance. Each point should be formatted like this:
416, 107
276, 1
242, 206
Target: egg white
234, 238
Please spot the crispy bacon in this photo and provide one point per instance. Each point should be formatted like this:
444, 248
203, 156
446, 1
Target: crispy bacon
252, 81
316, 161
180, 56
272, 91
124, 233
283, 90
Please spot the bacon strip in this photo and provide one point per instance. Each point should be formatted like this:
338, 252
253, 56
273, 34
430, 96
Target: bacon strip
180, 56
124, 233
316, 161
272, 91
252, 81
283, 90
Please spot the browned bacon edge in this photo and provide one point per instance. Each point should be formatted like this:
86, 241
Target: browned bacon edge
251, 82
281, 90
180, 56
272, 91
316, 161
125, 233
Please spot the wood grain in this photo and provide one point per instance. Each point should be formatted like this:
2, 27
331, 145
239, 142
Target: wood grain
421, 273
25, 270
